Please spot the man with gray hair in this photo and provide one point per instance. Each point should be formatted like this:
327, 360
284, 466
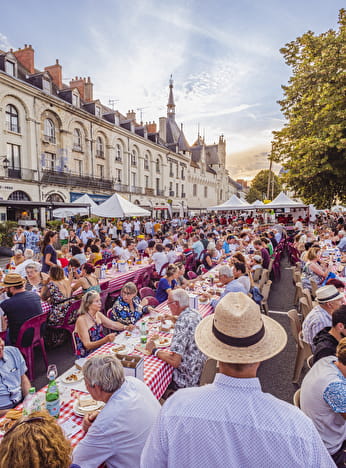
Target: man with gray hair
117, 434
29, 258
226, 278
183, 355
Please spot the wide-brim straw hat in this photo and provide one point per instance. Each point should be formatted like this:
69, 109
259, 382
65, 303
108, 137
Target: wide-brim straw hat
12, 279
238, 333
328, 293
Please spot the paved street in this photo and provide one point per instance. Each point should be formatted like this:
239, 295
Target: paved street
275, 375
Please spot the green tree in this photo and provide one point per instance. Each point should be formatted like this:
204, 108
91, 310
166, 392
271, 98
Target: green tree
258, 189
312, 144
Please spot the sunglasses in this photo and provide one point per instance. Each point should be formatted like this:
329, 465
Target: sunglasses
24, 421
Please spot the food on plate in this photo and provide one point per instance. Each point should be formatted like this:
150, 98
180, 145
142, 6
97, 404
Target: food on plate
163, 341
128, 333
86, 400
118, 348
152, 319
73, 377
166, 326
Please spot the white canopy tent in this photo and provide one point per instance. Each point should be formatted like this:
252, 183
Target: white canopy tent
258, 204
283, 201
234, 203
118, 207
67, 212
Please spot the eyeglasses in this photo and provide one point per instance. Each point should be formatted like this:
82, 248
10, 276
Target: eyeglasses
24, 421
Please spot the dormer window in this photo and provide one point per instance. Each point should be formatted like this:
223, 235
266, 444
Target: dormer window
75, 100
98, 111
46, 86
10, 68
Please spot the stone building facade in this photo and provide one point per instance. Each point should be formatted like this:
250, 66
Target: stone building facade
58, 142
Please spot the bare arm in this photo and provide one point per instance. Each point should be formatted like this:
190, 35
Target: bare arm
47, 258
25, 384
113, 325
83, 332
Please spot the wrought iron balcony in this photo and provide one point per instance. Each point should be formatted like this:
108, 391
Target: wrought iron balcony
160, 193
22, 173
75, 179
137, 190
121, 187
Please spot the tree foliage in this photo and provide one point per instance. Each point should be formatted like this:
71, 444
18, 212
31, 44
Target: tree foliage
258, 189
312, 144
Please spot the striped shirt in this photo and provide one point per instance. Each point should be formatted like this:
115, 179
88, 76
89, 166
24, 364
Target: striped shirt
317, 319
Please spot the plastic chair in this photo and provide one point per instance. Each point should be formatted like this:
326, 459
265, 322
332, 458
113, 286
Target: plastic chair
265, 293
208, 372
304, 307
144, 292
191, 275
314, 288
152, 301
104, 286
303, 349
264, 279
66, 325
296, 398
30, 336
190, 263
256, 274
3, 335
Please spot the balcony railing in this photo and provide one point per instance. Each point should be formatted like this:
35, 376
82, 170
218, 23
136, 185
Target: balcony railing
21, 173
160, 193
13, 127
149, 191
74, 179
49, 139
137, 190
118, 187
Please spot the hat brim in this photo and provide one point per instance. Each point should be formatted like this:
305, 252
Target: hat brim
274, 341
322, 301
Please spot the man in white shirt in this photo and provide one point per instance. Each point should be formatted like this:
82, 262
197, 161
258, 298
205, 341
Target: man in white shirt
159, 257
63, 234
148, 227
329, 300
137, 227
117, 434
231, 422
86, 234
127, 226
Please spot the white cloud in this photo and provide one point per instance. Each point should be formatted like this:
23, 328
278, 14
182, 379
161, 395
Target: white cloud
5, 43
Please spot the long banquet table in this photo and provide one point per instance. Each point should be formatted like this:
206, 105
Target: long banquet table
115, 280
157, 375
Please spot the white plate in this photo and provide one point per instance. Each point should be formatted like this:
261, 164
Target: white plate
166, 344
86, 409
128, 349
77, 373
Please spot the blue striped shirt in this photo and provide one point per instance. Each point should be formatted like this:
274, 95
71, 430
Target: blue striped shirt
232, 423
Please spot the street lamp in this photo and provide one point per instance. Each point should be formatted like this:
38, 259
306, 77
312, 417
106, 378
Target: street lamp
5, 163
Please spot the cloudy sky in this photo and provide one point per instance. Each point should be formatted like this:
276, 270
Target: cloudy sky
223, 55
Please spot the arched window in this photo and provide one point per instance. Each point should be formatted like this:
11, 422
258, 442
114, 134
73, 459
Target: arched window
158, 165
77, 139
19, 195
49, 130
146, 162
12, 119
118, 152
134, 158
55, 197
100, 152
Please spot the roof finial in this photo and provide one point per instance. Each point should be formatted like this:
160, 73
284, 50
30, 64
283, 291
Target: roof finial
171, 105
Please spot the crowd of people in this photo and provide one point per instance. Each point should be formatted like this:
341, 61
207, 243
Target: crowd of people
132, 429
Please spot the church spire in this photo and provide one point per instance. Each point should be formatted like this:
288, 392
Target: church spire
171, 105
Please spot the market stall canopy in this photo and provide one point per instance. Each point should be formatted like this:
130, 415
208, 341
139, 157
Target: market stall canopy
258, 204
234, 203
283, 201
338, 209
117, 207
68, 212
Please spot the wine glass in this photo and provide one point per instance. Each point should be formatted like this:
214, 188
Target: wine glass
52, 371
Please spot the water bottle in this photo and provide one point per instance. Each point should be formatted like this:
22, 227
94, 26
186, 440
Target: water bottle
28, 402
338, 256
103, 271
143, 330
114, 264
52, 397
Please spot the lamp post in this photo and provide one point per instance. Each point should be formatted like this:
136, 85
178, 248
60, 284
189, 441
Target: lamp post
5, 163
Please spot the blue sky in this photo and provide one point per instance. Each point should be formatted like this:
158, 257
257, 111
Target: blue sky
224, 57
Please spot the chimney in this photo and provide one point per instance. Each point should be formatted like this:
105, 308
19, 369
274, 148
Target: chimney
131, 115
162, 130
55, 72
88, 90
26, 58
78, 83
151, 127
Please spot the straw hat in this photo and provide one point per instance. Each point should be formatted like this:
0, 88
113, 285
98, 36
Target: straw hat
12, 279
327, 293
238, 333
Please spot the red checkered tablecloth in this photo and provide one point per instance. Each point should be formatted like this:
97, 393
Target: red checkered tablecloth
116, 280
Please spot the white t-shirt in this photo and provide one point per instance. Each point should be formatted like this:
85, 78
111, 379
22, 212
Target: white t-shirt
160, 258
63, 233
137, 225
